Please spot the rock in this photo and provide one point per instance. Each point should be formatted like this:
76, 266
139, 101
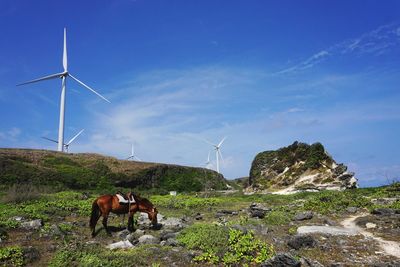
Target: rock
198, 217
120, 244
307, 215
282, 260
171, 242
18, 218
168, 235
301, 241
240, 228
298, 167
309, 263
383, 211
352, 209
31, 254
257, 210
370, 225
135, 235
32, 225
331, 230
123, 234
174, 223
148, 239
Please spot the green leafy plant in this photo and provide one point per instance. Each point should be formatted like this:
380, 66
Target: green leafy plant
11, 256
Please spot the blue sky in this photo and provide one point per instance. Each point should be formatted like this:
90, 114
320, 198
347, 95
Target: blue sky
262, 73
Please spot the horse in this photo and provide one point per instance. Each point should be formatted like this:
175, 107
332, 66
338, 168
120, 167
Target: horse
105, 204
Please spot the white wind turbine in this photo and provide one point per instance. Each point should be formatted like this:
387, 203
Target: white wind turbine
217, 149
133, 156
66, 146
63, 75
208, 163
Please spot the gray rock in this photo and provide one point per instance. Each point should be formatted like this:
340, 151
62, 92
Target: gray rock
120, 244
32, 225
302, 241
31, 254
331, 230
307, 215
174, 223
309, 263
123, 234
383, 211
172, 242
168, 235
282, 260
352, 209
18, 218
148, 239
240, 228
258, 210
135, 235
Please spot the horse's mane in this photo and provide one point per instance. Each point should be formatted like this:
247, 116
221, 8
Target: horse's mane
142, 199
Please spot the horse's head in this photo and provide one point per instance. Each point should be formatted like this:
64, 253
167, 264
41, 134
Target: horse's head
152, 214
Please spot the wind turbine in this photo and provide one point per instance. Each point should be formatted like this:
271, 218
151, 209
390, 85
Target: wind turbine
208, 164
133, 156
218, 153
66, 146
63, 75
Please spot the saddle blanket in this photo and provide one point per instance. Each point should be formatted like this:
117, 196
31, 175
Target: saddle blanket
122, 200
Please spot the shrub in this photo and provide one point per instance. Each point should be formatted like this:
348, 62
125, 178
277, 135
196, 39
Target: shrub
223, 245
11, 256
277, 217
18, 193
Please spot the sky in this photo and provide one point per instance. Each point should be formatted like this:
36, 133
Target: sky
262, 73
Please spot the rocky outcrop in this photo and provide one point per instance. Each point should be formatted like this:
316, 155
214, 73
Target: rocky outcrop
298, 167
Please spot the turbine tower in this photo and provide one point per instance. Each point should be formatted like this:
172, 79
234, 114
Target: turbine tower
66, 146
63, 75
133, 156
217, 149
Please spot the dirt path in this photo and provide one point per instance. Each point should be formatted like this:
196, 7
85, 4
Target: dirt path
389, 247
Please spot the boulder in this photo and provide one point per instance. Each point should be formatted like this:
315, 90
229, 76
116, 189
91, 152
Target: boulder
301, 241
168, 235
352, 209
31, 254
258, 210
32, 225
135, 235
370, 225
173, 223
121, 244
148, 239
123, 234
282, 260
383, 211
307, 215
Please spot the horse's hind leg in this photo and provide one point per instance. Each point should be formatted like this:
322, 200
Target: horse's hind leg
94, 226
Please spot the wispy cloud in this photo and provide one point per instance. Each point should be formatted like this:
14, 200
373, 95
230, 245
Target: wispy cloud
376, 42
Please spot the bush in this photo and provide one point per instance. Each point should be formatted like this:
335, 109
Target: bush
223, 245
11, 256
18, 193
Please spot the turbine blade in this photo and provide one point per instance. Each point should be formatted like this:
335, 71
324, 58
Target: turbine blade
138, 158
208, 142
87, 87
133, 151
208, 158
73, 138
220, 154
50, 139
65, 60
48, 77
220, 143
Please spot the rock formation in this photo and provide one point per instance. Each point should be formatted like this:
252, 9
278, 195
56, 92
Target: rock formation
298, 167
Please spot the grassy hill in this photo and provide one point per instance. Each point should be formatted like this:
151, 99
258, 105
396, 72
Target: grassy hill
94, 171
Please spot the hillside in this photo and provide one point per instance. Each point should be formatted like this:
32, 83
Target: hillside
299, 167
91, 171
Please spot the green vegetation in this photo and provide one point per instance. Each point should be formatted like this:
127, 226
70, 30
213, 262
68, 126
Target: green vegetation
95, 172
225, 245
11, 256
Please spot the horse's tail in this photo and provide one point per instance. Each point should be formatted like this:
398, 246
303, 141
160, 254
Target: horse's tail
95, 214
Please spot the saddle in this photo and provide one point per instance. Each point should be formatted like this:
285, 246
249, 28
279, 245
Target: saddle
124, 199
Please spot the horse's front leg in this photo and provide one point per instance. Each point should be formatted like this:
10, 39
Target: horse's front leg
130, 222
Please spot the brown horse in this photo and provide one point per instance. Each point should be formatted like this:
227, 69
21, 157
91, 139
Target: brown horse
105, 204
